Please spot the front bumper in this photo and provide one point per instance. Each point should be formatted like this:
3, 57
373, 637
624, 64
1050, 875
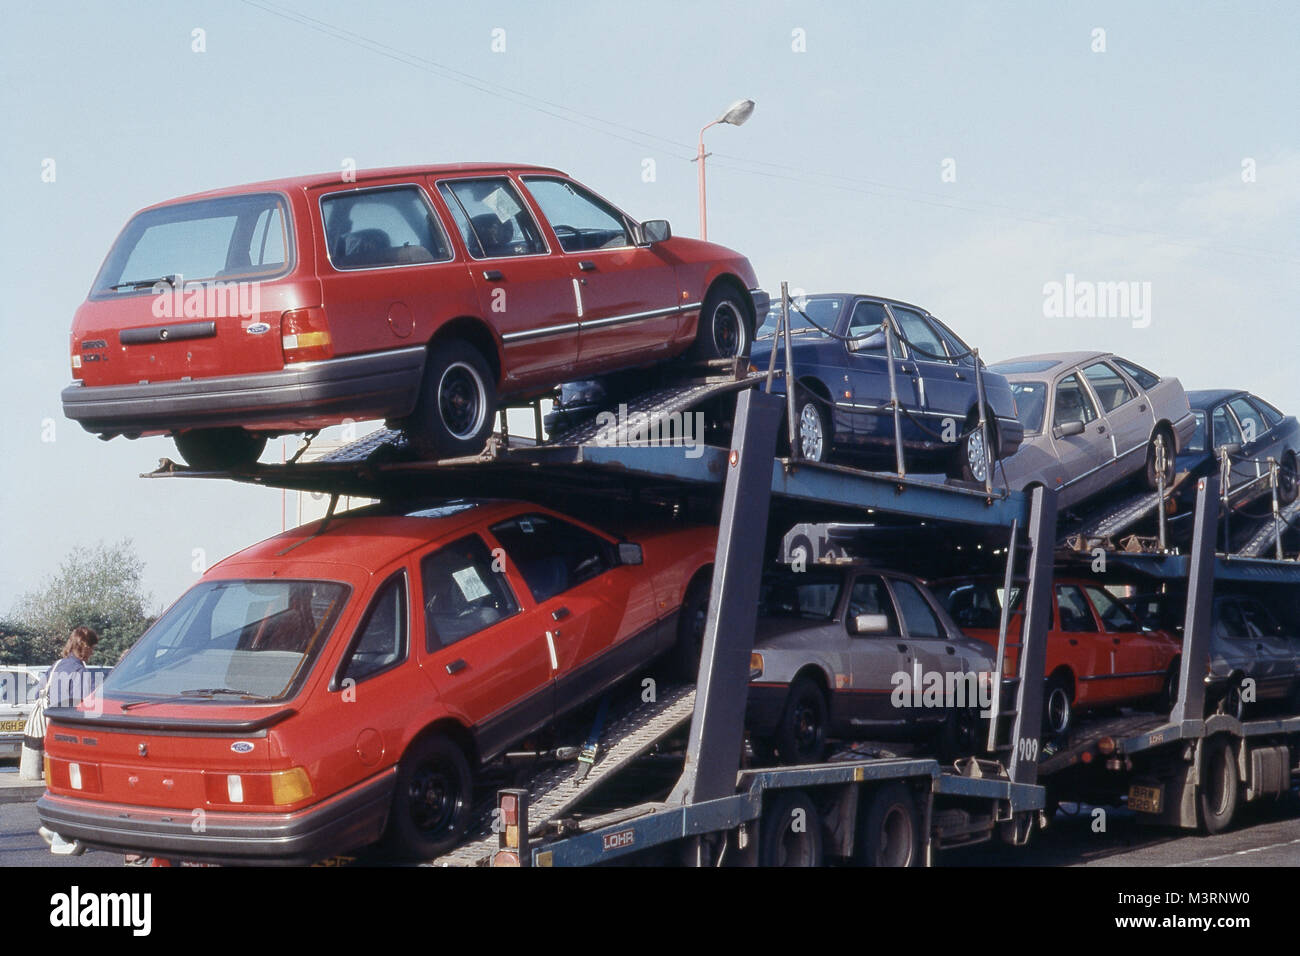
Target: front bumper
376, 385
346, 821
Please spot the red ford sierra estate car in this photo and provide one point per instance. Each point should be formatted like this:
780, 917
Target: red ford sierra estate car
339, 684
425, 296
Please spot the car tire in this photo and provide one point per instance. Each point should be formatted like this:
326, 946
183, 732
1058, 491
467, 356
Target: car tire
1149, 476
814, 426
889, 829
431, 800
801, 734
791, 831
1220, 787
457, 403
1058, 708
1231, 702
724, 328
971, 452
1288, 480
959, 735
691, 620
1169, 695
220, 449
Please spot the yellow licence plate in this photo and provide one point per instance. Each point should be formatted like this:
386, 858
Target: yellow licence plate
1145, 799
9, 726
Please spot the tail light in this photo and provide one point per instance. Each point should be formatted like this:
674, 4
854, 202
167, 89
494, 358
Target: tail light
511, 823
280, 788
1106, 746
305, 335
755, 666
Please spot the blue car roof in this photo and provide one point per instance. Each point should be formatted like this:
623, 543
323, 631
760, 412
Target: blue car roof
1203, 398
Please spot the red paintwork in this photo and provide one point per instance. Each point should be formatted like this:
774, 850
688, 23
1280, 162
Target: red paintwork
343, 743
358, 303
1102, 655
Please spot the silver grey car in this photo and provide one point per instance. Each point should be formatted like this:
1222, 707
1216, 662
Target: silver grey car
853, 651
1091, 421
1247, 642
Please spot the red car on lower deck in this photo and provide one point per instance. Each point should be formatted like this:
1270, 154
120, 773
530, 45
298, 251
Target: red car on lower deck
1098, 655
344, 682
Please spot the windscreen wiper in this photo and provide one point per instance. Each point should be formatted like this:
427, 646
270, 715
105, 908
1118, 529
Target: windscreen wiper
171, 280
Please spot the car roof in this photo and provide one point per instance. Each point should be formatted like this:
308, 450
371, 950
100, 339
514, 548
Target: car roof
360, 178
371, 540
1203, 398
1050, 362
776, 301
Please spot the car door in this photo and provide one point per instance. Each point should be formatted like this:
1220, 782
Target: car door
1139, 662
1080, 457
1128, 416
1250, 471
868, 376
1083, 647
1224, 430
1275, 654
875, 659
392, 269
627, 294
600, 616
524, 287
485, 648
946, 386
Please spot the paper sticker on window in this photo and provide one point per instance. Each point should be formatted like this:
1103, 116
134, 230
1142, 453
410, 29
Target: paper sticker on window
499, 202
525, 526
470, 584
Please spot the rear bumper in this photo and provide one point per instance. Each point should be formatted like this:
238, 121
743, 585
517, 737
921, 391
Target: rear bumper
376, 385
346, 821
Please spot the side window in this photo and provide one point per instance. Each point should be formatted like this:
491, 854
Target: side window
1271, 414
492, 218
974, 605
1252, 422
382, 640
463, 592
870, 596
1114, 615
551, 555
1109, 385
926, 343
1076, 617
1146, 380
867, 317
919, 617
1225, 429
579, 220
1073, 403
375, 228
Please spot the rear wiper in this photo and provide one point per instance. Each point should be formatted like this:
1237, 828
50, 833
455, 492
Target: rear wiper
225, 691
171, 280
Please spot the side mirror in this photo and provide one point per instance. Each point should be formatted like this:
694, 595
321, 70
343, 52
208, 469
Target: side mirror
875, 342
1068, 429
869, 624
655, 230
629, 553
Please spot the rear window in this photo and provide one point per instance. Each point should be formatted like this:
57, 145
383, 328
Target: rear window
379, 228
234, 237
233, 640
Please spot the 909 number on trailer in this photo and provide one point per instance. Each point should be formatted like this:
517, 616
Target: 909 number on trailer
1027, 749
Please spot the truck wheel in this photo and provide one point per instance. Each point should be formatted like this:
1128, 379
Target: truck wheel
457, 403
1220, 787
801, 735
889, 829
723, 331
1058, 709
791, 831
431, 801
690, 629
220, 449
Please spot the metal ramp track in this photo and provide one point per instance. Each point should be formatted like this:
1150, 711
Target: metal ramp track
1118, 518
1263, 540
553, 792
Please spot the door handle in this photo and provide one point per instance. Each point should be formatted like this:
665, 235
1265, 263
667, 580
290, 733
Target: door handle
905, 370
586, 265
559, 614
456, 666
951, 650
960, 377
493, 275
1074, 642
1101, 429
1115, 641
903, 648
1142, 408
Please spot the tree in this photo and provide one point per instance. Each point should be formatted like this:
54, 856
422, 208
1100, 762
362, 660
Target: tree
99, 586
18, 645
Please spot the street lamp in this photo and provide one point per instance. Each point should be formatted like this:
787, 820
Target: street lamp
736, 115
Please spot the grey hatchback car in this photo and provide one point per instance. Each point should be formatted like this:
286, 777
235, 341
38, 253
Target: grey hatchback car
1091, 421
1248, 643
853, 651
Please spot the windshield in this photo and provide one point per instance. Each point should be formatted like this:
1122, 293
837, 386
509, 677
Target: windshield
235, 237
823, 310
1031, 399
233, 640
809, 595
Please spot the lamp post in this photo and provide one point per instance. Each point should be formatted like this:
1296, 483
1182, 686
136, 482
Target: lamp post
735, 115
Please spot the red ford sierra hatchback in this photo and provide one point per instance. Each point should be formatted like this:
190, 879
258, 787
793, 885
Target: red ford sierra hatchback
425, 296
341, 684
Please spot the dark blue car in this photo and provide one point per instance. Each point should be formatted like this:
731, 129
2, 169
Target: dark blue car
1254, 431
842, 399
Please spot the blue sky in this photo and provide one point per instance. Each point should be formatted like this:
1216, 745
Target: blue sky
1122, 165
